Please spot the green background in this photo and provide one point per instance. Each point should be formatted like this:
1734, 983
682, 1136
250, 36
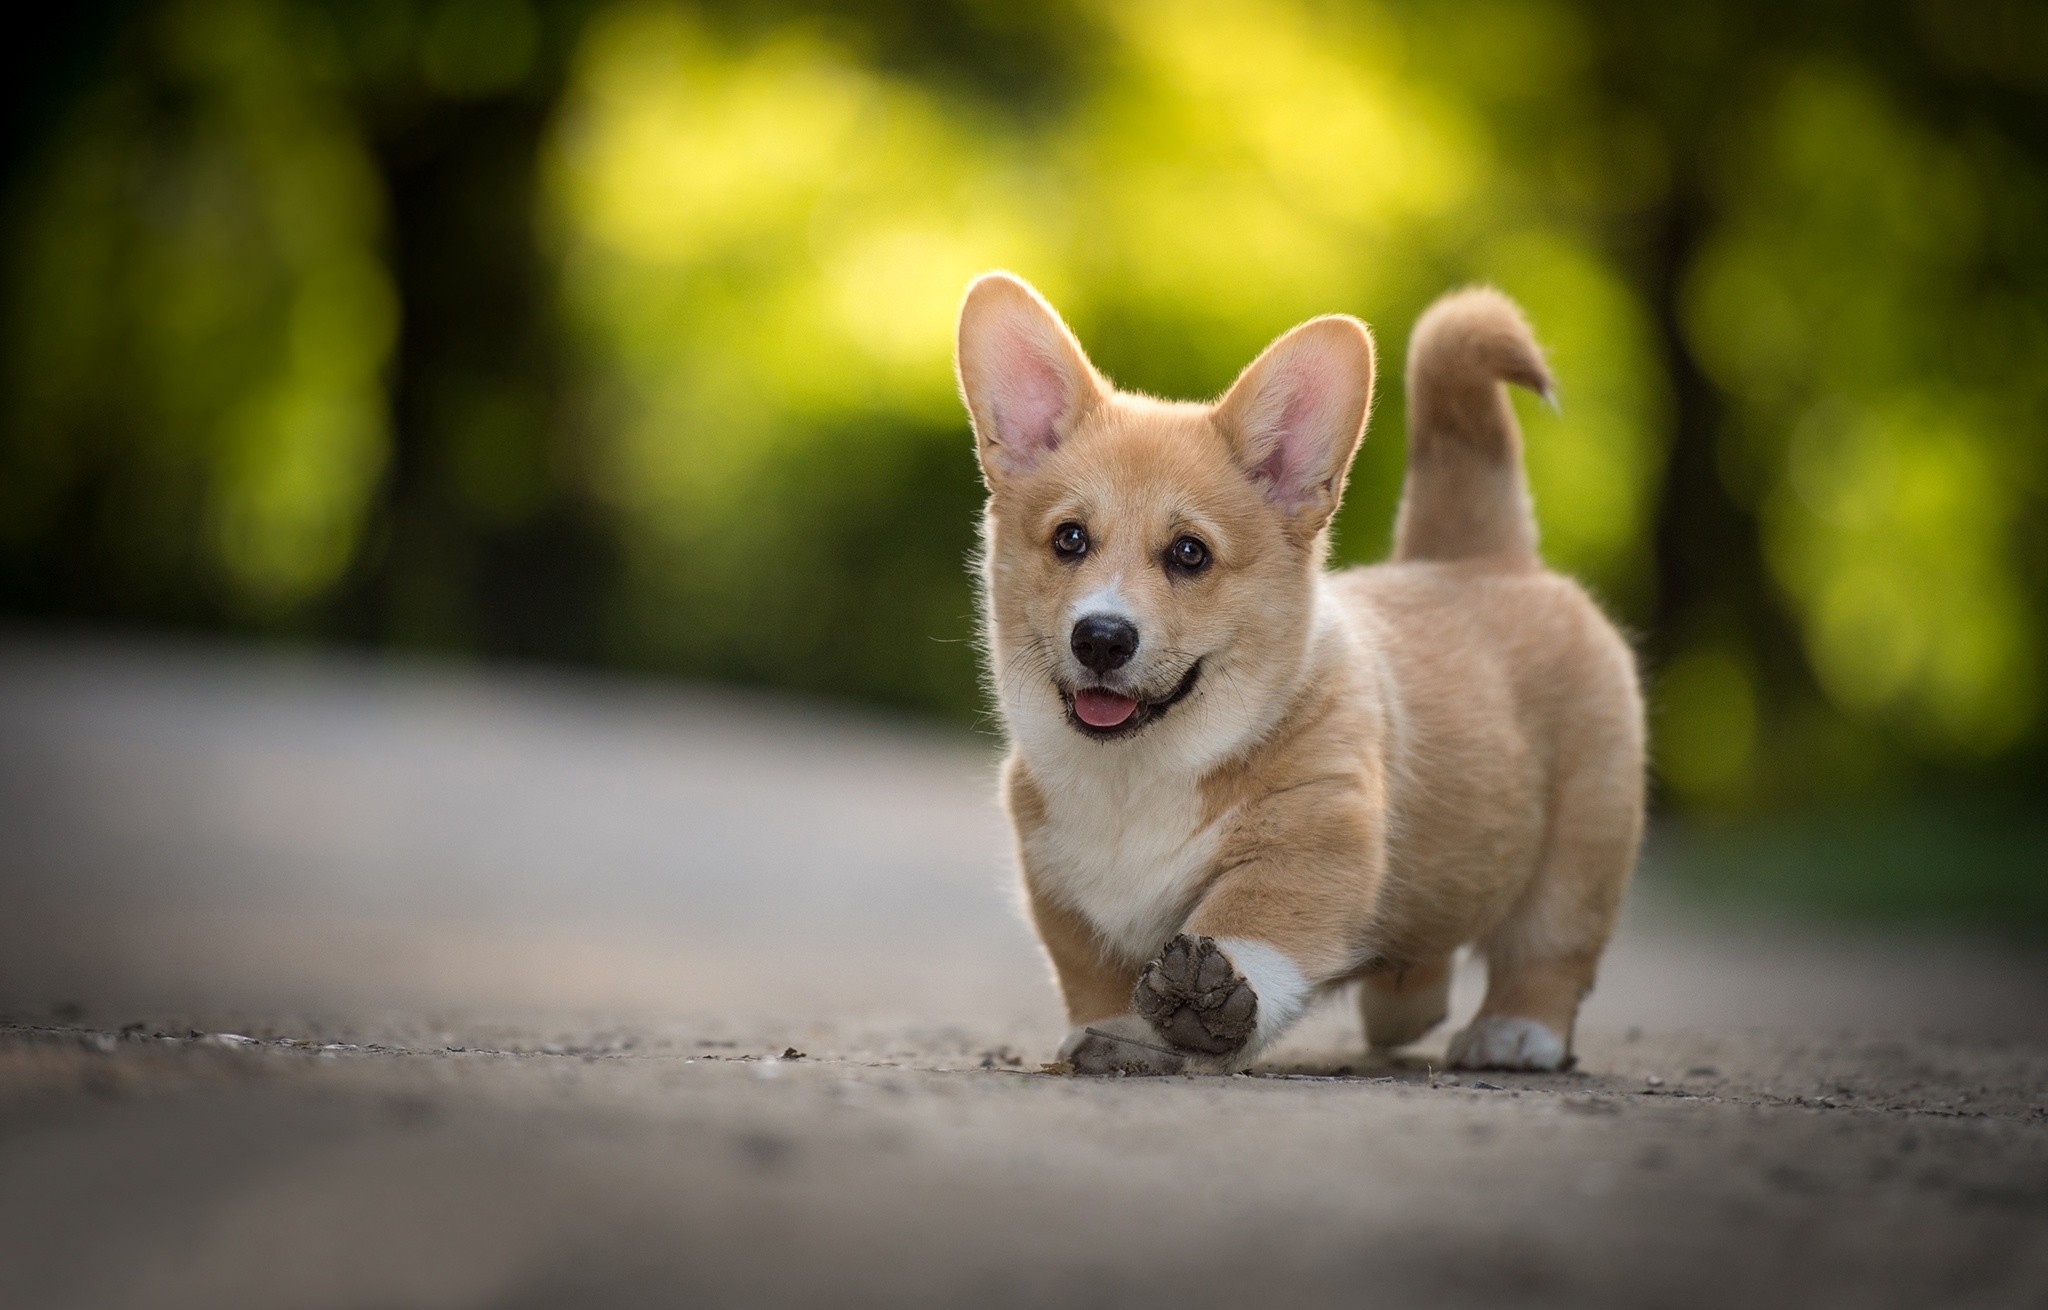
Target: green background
618, 333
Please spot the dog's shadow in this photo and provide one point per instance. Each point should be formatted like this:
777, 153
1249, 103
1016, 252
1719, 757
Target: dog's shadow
1422, 1069
1366, 1065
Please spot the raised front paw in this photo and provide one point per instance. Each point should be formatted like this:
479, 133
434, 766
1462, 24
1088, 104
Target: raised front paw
1196, 998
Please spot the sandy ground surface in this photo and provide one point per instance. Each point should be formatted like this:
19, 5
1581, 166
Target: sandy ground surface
331, 983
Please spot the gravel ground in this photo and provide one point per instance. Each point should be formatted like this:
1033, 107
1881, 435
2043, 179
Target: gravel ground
335, 983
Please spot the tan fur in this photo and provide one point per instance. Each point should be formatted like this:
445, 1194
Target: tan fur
1401, 1005
1374, 767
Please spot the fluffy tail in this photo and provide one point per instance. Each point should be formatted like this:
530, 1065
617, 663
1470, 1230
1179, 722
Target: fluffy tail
1465, 495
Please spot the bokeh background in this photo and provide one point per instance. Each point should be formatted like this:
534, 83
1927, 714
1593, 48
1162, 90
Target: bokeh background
618, 334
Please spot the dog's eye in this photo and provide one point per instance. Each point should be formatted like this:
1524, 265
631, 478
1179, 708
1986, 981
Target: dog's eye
1188, 554
1070, 541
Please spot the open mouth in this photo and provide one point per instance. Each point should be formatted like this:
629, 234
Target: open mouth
1105, 714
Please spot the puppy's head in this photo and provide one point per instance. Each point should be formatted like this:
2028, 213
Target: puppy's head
1151, 566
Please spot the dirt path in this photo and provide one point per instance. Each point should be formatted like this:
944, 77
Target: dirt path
326, 985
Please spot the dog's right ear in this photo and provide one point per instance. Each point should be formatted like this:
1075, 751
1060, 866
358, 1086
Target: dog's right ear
1024, 377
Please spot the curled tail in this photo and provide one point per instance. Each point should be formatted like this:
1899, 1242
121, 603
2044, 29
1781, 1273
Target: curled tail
1465, 495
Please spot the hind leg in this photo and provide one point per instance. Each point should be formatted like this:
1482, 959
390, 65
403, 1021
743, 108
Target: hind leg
1527, 1018
1401, 1005
1542, 956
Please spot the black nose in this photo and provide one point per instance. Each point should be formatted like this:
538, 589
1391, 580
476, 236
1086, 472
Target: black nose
1104, 643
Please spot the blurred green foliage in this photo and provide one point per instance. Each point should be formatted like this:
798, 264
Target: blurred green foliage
198, 319
620, 331
1953, 862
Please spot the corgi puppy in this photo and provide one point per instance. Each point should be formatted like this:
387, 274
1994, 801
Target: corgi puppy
1238, 779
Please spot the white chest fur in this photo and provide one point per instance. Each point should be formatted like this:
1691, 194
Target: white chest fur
1127, 855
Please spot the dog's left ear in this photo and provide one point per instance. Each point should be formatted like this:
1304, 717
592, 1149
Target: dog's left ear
1294, 418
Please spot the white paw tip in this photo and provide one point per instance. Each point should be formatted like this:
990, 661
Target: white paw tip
1283, 990
1507, 1042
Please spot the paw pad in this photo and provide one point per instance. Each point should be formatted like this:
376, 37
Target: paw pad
1195, 999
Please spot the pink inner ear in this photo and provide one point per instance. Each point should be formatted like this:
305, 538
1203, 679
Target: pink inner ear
1298, 434
1272, 470
1031, 399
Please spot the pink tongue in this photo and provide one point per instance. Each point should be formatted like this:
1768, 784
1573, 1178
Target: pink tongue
1103, 709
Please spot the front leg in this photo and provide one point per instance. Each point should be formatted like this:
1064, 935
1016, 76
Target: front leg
1196, 998
1105, 1038
1213, 999
1206, 1005
1217, 1002
1112, 1029
1190, 1012
1290, 912
1267, 935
